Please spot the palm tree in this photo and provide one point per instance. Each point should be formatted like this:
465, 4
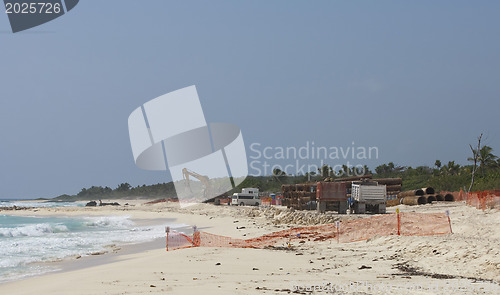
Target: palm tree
325, 170
366, 169
451, 168
474, 153
486, 158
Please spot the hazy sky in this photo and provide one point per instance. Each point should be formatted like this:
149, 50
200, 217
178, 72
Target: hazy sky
417, 80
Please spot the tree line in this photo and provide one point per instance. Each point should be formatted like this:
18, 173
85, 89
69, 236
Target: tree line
449, 177
122, 191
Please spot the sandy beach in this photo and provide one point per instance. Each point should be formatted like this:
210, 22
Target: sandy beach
466, 262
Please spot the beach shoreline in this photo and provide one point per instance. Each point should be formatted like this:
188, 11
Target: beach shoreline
93, 257
447, 261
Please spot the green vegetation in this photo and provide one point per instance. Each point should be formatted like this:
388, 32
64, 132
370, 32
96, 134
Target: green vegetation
123, 191
449, 177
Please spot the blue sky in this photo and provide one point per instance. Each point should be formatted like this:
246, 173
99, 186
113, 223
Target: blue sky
418, 80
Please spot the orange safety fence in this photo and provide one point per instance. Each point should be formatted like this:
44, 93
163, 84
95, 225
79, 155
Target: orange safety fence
480, 200
177, 240
266, 201
484, 200
424, 224
407, 224
270, 201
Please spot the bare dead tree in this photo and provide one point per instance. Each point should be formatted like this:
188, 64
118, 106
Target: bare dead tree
475, 157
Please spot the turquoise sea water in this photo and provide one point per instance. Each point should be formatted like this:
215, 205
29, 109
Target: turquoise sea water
27, 241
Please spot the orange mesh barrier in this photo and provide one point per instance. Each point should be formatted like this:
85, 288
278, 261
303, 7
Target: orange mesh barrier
266, 201
204, 239
177, 240
424, 224
410, 224
480, 200
484, 200
363, 229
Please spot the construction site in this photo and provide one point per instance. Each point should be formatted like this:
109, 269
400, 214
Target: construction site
360, 194
357, 194
320, 207
350, 195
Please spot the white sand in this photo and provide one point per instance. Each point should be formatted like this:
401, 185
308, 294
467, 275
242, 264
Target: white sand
472, 251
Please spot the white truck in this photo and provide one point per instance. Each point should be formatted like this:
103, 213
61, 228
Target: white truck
368, 196
247, 197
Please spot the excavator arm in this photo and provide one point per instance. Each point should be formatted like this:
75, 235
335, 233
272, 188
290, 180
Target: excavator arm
202, 178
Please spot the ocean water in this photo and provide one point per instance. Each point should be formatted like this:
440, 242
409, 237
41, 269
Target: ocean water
17, 203
27, 241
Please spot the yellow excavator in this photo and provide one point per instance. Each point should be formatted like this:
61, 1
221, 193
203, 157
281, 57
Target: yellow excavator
202, 178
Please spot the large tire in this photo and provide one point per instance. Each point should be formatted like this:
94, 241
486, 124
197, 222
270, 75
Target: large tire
361, 208
321, 206
342, 207
242, 204
257, 204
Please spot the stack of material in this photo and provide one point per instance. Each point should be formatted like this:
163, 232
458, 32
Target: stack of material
299, 196
393, 185
414, 200
415, 192
303, 196
348, 181
425, 195
352, 178
413, 197
393, 202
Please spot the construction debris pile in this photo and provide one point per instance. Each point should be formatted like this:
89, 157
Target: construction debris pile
279, 216
299, 196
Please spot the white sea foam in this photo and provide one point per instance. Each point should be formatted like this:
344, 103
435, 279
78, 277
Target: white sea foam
109, 221
41, 204
32, 230
25, 240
